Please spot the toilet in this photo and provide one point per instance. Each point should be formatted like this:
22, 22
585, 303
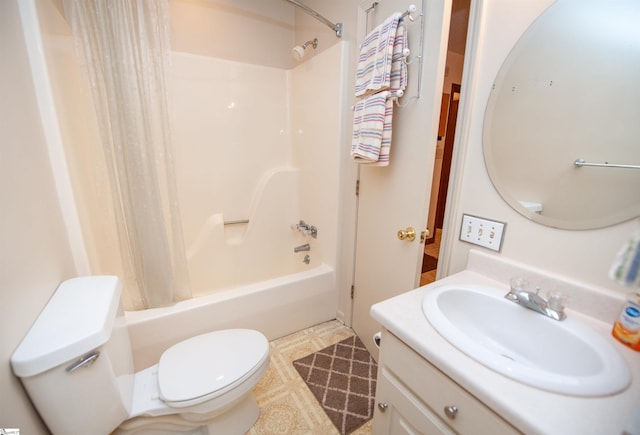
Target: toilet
76, 365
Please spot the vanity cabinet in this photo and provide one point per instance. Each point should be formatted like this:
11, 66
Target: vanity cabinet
414, 397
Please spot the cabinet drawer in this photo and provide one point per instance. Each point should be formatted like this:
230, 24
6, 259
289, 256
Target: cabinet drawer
399, 412
438, 391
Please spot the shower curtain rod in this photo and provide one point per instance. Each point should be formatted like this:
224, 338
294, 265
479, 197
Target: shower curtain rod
337, 27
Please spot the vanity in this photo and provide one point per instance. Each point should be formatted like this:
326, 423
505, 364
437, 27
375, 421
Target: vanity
428, 385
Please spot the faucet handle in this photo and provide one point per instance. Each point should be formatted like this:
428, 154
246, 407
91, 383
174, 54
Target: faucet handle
556, 301
519, 284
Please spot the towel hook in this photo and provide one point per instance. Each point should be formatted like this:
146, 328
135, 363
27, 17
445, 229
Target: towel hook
409, 12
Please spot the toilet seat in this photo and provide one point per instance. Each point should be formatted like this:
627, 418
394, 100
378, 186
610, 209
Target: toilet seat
204, 367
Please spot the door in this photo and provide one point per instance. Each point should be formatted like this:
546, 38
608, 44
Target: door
395, 197
452, 121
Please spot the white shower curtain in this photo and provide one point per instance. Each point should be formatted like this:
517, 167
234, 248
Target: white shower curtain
125, 46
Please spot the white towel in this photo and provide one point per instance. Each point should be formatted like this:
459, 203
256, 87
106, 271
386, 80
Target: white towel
374, 62
368, 127
626, 267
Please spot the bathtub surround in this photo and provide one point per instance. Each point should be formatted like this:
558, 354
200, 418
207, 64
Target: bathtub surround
258, 144
126, 50
342, 378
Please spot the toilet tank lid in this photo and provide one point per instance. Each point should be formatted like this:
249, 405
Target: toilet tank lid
77, 319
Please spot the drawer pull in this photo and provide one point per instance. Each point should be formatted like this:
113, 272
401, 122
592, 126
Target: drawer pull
450, 411
382, 406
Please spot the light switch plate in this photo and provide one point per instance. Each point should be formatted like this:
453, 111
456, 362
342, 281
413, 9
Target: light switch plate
482, 232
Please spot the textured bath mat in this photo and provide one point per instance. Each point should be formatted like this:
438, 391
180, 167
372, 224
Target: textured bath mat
342, 378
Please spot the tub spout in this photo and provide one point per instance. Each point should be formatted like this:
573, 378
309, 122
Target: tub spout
305, 247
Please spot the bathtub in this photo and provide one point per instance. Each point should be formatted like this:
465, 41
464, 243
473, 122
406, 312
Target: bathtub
276, 307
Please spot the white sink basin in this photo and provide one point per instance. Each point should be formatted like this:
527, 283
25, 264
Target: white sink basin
561, 356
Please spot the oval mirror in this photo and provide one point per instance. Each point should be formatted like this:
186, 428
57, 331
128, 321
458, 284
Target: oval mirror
569, 90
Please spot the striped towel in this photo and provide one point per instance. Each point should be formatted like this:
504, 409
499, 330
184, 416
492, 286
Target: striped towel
385, 146
398, 74
626, 267
369, 119
374, 62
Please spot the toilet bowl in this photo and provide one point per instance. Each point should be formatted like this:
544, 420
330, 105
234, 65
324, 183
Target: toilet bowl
76, 366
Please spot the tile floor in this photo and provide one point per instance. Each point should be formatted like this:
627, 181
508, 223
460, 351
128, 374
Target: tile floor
286, 404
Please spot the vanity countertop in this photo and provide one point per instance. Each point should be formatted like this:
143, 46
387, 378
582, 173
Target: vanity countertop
529, 409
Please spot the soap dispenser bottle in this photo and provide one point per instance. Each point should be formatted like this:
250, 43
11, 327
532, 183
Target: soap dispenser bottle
627, 328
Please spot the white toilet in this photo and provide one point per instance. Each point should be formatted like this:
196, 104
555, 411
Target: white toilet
76, 365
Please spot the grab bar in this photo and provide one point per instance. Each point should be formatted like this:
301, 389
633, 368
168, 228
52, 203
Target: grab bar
580, 163
239, 221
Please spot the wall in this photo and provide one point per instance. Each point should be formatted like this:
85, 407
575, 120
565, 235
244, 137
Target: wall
36, 256
250, 31
78, 129
580, 255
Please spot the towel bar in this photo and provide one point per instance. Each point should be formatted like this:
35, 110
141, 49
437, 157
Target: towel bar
372, 7
580, 163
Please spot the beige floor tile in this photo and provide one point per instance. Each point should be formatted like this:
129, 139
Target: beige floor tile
286, 404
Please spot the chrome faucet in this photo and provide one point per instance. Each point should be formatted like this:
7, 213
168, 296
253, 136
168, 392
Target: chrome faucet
305, 247
306, 229
553, 307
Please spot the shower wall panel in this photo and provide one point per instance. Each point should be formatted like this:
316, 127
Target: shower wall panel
230, 129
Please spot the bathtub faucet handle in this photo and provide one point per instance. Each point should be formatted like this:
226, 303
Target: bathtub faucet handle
305, 228
300, 226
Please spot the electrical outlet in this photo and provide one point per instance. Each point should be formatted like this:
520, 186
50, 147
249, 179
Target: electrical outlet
482, 232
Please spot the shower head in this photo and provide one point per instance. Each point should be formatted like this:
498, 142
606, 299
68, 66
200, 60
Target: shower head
298, 51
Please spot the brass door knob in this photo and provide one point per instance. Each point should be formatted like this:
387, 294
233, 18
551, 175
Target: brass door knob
408, 234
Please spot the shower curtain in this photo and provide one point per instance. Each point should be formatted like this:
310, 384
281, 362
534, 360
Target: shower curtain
125, 47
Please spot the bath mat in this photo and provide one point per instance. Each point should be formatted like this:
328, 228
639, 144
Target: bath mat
429, 263
342, 378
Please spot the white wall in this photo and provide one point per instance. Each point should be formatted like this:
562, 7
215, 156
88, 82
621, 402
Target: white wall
35, 254
76, 121
250, 31
580, 255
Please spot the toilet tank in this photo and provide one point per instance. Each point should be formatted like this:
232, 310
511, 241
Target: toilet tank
75, 362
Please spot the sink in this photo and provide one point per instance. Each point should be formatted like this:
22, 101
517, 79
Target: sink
565, 357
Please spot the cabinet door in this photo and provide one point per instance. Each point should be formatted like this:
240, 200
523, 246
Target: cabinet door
399, 412
438, 392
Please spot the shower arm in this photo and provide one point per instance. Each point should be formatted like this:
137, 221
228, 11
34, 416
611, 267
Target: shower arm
337, 27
